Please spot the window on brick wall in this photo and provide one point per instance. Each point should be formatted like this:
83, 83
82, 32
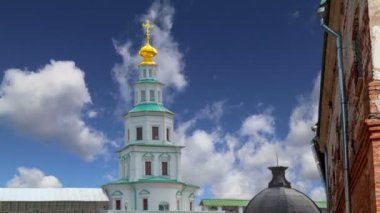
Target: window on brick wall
148, 168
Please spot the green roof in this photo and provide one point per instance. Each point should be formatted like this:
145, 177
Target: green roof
224, 202
237, 202
153, 179
151, 80
150, 107
146, 143
321, 204
323, 2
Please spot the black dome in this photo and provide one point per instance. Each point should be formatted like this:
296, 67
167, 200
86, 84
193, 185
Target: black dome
279, 197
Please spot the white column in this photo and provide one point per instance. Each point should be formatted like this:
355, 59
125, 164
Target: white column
220, 208
240, 210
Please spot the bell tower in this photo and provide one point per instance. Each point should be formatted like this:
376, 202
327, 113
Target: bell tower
150, 161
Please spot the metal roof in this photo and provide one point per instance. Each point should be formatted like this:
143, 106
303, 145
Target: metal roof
149, 80
151, 180
321, 204
237, 202
281, 199
224, 202
53, 194
150, 107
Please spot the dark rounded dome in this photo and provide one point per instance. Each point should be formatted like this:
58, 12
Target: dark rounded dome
279, 197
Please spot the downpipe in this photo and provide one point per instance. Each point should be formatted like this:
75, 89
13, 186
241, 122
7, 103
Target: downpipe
343, 113
327, 183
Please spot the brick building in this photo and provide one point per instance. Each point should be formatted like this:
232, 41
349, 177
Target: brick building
358, 23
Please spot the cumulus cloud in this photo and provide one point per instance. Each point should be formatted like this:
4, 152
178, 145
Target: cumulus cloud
236, 162
318, 194
259, 127
92, 114
169, 58
48, 104
33, 178
213, 111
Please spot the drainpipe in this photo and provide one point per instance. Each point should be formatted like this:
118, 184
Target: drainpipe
343, 112
327, 182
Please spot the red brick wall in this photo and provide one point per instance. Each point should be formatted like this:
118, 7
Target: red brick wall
350, 18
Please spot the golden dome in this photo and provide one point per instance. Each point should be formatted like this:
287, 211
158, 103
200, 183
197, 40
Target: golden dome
147, 52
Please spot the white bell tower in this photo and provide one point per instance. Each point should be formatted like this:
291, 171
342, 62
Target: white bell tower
150, 161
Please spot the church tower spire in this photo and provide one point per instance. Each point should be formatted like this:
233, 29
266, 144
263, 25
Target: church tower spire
147, 52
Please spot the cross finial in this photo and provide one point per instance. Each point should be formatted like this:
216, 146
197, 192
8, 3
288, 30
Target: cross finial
147, 27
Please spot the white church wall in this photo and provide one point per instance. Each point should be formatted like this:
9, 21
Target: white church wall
147, 122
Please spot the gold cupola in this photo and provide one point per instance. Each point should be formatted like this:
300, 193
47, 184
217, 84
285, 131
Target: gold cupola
147, 52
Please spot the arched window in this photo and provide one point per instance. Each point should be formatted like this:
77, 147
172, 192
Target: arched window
163, 206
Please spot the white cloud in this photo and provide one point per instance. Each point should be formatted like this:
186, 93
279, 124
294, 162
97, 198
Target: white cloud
318, 194
213, 112
259, 127
169, 58
125, 73
48, 104
236, 162
33, 178
92, 114
200, 150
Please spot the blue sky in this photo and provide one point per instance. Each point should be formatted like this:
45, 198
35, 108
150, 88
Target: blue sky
242, 79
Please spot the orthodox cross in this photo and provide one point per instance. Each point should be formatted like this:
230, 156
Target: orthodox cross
147, 27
